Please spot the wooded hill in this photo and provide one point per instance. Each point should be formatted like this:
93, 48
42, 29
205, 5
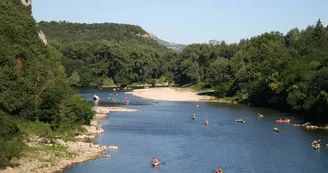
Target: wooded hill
100, 54
33, 86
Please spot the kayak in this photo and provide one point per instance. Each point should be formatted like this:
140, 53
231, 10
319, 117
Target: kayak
276, 130
240, 121
283, 121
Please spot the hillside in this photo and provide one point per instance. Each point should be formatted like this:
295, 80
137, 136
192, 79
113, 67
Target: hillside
170, 45
108, 53
72, 32
33, 83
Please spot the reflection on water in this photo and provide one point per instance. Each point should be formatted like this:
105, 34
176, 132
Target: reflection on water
167, 131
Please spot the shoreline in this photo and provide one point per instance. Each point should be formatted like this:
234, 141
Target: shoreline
55, 156
169, 94
176, 94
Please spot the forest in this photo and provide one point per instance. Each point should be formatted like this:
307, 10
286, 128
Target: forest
286, 72
35, 94
282, 71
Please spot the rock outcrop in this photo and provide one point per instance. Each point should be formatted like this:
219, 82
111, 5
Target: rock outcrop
26, 2
43, 38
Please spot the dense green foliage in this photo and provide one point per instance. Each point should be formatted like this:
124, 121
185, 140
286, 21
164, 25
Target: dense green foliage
33, 82
286, 72
93, 54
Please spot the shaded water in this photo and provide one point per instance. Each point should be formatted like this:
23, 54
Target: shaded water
166, 130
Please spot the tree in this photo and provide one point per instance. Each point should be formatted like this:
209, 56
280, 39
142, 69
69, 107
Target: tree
74, 79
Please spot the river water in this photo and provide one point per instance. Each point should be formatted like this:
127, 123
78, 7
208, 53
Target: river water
167, 131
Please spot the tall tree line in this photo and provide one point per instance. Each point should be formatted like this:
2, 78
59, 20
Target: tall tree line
33, 83
287, 72
273, 70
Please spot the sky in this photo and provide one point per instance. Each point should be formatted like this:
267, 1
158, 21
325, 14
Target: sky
190, 21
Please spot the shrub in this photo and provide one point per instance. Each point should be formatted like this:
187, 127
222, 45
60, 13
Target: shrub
11, 140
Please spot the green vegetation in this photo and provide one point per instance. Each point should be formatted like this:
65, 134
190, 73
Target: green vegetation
33, 84
93, 54
287, 72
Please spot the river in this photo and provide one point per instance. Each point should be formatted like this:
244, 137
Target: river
167, 131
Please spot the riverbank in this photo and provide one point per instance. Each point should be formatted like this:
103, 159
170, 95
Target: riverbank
178, 94
42, 155
170, 94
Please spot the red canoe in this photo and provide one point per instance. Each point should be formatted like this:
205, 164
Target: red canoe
283, 121
155, 163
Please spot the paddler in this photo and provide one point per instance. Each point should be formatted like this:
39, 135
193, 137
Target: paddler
219, 170
316, 142
206, 122
155, 160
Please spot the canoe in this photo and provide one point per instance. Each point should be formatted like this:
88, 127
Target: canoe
316, 147
240, 121
156, 163
276, 130
283, 121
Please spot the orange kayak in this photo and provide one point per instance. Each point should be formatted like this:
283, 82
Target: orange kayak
283, 121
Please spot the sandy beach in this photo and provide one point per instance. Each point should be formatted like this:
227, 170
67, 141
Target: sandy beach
169, 94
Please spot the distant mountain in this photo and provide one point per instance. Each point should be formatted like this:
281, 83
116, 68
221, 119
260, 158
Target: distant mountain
170, 45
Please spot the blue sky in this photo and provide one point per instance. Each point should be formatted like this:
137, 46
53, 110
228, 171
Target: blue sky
190, 21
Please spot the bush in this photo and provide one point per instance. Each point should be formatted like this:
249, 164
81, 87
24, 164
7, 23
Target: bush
153, 82
11, 140
162, 79
108, 82
36, 128
75, 110
222, 90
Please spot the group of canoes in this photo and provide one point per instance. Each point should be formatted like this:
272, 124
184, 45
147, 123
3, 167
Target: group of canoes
194, 117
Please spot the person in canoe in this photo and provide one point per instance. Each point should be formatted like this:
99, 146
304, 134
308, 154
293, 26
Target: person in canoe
193, 116
276, 129
219, 170
155, 161
316, 146
260, 115
316, 142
